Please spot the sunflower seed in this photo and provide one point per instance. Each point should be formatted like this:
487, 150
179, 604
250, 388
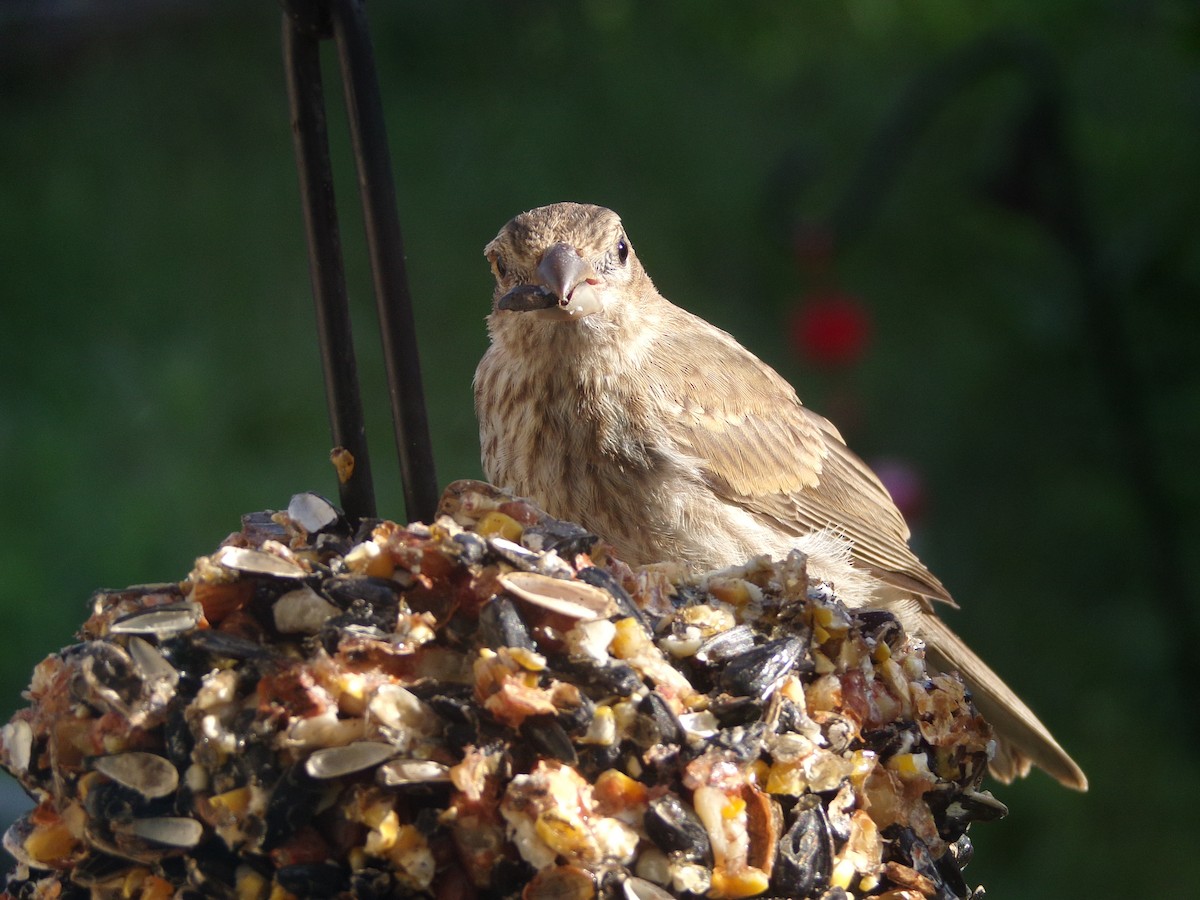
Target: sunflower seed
334, 762
147, 773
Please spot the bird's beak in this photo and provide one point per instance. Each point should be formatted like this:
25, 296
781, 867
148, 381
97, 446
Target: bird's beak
567, 289
562, 269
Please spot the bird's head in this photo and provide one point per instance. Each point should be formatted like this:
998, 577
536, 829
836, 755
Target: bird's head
564, 262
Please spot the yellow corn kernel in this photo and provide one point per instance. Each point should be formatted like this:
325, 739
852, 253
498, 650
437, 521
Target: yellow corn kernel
409, 837
496, 524
352, 685
731, 885
76, 820
380, 566
343, 463
50, 843
560, 832
382, 836
843, 873
369, 559
821, 662
735, 592
628, 640
759, 771
863, 762
234, 802
131, 884
527, 659
373, 815
114, 742
618, 790
910, 765
250, 884
602, 729
786, 778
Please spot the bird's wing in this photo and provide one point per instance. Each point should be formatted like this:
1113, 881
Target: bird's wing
760, 449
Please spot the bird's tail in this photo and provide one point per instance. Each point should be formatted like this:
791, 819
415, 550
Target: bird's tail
1023, 741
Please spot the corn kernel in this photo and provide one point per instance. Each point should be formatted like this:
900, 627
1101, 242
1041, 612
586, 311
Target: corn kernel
821, 662
561, 833
50, 843
375, 814
910, 765
343, 463
382, 836
735, 592
250, 884
863, 762
746, 883
234, 802
785, 778
628, 640
843, 873
528, 659
131, 883
496, 524
615, 791
369, 559
352, 685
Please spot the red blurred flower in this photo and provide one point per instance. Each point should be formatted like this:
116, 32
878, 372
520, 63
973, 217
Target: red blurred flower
831, 328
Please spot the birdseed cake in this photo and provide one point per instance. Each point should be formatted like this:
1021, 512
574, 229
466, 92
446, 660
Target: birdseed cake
490, 705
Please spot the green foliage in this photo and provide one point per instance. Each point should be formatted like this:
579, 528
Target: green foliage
159, 376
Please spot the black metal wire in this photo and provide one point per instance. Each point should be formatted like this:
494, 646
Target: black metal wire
302, 63
386, 245
306, 23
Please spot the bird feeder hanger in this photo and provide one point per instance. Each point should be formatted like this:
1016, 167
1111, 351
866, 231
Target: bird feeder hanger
306, 24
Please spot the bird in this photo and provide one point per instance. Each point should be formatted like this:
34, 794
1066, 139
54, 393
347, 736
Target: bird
608, 405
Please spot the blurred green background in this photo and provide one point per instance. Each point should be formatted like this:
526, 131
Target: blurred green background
1008, 193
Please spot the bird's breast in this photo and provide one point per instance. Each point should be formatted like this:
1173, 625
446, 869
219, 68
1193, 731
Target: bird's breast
575, 440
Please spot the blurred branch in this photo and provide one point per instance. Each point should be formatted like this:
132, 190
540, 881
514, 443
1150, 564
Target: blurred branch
1041, 179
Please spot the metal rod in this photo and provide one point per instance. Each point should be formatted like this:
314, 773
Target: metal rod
302, 63
365, 110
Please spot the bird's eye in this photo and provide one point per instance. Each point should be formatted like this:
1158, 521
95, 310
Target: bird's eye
501, 270
622, 250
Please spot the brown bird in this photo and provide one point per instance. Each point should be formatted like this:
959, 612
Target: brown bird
608, 405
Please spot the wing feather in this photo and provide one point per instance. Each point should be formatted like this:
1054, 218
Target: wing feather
761, 449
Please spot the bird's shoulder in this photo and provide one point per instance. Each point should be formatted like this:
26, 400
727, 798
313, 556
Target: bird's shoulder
733, 412
760, 448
